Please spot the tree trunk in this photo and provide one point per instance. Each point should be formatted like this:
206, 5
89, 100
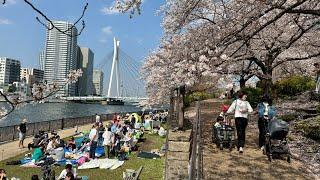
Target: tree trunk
268, 84
242, 83
181, 112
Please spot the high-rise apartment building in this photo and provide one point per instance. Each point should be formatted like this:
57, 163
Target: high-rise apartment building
98, 82
85, 62
61, 56
42, 57
9, 71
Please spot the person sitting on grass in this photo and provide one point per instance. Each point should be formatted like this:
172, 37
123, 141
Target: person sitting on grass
38, 153
71, 144
35, 177
59, 142
36, 141
70, 176
52, 144
3, 175
68, 169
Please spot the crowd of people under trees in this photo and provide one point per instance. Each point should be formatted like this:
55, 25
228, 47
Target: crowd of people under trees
119, 136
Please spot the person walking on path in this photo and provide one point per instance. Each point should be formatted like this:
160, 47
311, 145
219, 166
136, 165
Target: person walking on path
241, 108
22, 132
93, 136
266, 111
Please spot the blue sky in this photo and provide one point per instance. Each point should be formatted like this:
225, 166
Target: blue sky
22, 37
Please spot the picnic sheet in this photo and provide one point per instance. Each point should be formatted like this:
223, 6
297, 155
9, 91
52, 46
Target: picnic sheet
102, 164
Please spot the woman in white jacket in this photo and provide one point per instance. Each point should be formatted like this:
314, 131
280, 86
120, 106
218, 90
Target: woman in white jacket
241, 108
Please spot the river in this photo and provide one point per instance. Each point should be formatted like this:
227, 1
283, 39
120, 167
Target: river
52, 111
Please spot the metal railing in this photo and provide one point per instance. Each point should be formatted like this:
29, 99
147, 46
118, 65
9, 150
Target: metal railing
196, 148
10, 133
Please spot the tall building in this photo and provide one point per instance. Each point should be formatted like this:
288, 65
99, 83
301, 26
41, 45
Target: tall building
60, 56
42, 57
98, 82
85, 62
28, 77
9, 71
31, 75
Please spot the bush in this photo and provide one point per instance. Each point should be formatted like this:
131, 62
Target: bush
288, 117
310, 127
197, 96
293, 85
254, 95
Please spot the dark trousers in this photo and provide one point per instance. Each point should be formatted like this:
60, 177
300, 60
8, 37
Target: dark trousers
241, 125
262, 131
31, 145
92, 152
107, 150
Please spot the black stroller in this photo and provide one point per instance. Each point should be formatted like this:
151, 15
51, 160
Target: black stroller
276, 139
223, 136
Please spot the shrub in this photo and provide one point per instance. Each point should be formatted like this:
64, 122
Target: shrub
254, 95
310, 127
197, 96
288, 117
293, 85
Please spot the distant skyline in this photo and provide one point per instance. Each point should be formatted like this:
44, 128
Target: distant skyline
23, 38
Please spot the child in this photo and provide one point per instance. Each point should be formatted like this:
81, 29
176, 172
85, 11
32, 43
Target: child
218, 129
223, 114
219, 122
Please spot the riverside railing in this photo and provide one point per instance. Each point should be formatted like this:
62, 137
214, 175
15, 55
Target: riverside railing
196, 148
10, 133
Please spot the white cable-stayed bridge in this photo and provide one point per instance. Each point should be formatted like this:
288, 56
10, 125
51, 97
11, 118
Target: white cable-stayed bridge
122, 80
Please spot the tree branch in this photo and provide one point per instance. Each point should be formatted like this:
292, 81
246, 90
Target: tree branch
296, 59
52, 26
315, 12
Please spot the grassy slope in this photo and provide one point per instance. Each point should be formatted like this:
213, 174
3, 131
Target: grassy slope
152, 169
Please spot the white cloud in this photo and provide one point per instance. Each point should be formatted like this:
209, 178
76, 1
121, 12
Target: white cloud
107, 30
5, 21
109, 10
10, 2
103, 40
140, 41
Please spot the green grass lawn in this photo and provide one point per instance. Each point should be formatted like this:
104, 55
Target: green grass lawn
152, 168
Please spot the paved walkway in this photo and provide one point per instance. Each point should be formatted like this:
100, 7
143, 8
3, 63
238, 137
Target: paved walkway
252, 164
177, 155
11, 149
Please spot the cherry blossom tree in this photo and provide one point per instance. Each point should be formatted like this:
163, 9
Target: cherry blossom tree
266, 33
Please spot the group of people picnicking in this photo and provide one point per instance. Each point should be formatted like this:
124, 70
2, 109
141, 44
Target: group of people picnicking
118, 137
241, 109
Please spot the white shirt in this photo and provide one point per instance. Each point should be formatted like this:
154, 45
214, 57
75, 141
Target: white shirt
107, 138
97, 118
241, 108
93, 132
266, 108
63, 173
50, 146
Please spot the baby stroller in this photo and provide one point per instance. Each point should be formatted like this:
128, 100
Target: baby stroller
276, 139
223, 135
